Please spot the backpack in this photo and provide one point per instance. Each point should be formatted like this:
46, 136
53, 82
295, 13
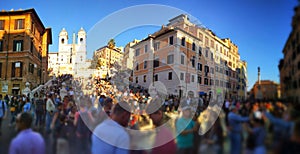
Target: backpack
83, 119
39, 106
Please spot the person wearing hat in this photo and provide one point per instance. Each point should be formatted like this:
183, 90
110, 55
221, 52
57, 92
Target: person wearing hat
235, 129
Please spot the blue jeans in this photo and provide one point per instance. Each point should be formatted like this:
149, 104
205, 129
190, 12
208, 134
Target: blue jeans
235, 143
48, 121
39, 119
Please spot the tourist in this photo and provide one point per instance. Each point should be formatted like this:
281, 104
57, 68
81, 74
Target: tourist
27, 141
110, 136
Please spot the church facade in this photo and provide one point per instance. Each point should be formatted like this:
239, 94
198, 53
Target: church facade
71, 57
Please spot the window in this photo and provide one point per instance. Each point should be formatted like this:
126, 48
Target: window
199, 79
211, 56
200, 51
32, 28
221, 84
194, 47
183, 41
145, 64
171, 40
156, 63
156, 77
193, 78
217, 68
206, 41
170, 76
212, 44
181, 76
211, 82
16, 69
221, 70
206, 53
137, 66
212, 70
199, 66
193, 62
145, 78
18, 45
220, 49
170, 59
1, 45
205, 81
31, 68
137, 52
63, 41
31, 46
39, 72
146, 48
217, 82
182, 59
156, 46
19, 24
136, 79
201, 37
2, 24
206, 69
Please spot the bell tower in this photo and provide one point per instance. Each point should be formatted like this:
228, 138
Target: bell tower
63, 39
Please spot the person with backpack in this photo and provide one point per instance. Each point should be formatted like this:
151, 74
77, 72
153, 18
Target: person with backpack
83, 119
14, 105
40, 109
3, 112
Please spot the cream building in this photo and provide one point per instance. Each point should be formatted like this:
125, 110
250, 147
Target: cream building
107, 59
127, 61
187, 59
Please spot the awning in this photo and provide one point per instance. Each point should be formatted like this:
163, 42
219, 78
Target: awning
16, 88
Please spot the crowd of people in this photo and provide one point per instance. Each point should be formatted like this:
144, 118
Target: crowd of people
108, 119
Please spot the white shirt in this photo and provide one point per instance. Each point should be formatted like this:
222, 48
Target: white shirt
49, 105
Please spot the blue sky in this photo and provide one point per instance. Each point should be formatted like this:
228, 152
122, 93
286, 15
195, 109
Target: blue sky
259, 28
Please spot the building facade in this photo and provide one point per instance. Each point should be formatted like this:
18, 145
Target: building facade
268, 90
188, 60
24, 43
127, 61
289, 66
107, 58
71, 57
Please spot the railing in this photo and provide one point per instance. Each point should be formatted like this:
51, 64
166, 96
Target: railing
37, 89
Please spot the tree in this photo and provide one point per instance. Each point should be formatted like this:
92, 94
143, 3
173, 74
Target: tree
111, 44
95, 64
